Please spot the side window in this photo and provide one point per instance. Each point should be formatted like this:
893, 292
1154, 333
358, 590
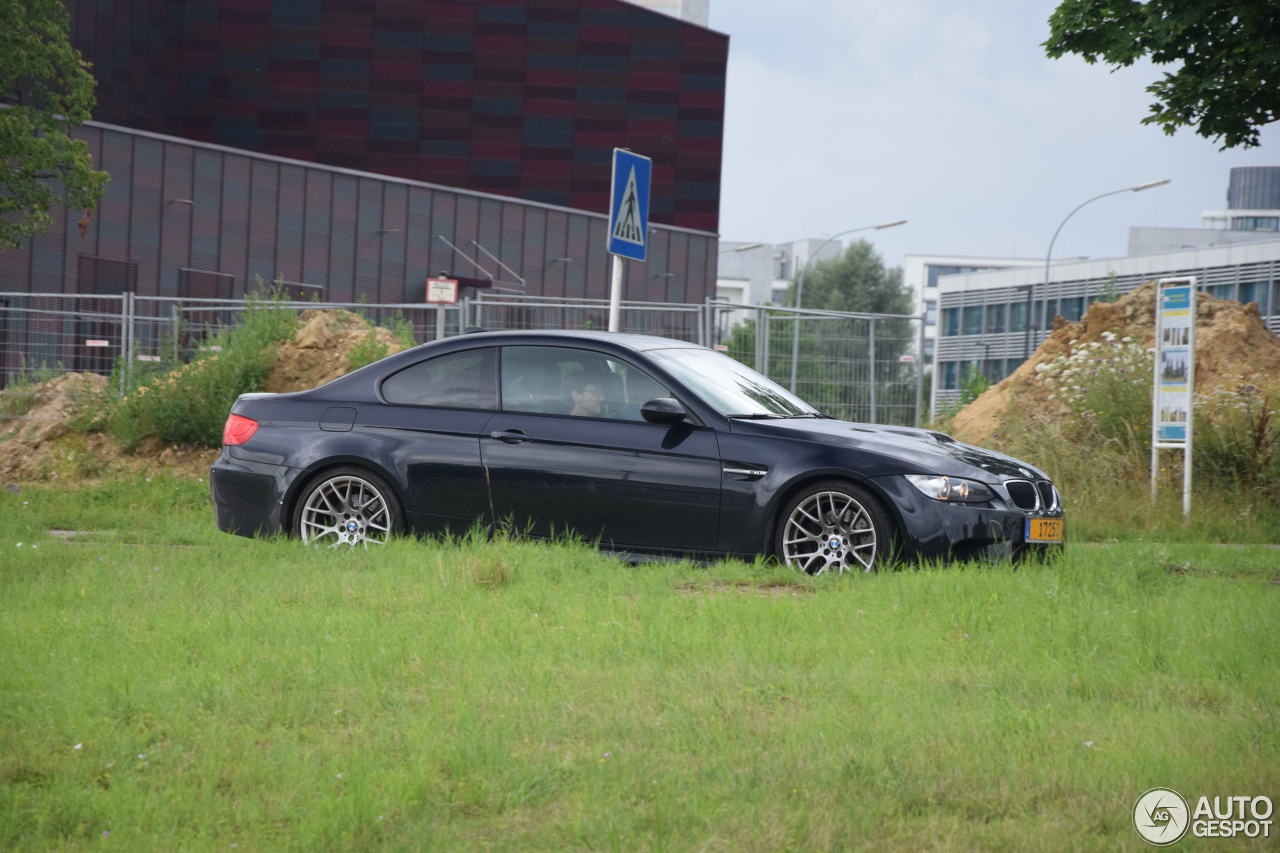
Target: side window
461, 380
565, 381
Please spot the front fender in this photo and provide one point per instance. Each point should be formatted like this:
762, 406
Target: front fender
750, 505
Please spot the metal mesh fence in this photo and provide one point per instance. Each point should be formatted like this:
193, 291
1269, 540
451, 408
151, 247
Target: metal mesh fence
853, 367
664, 319
861, 368
46, 334
173, 331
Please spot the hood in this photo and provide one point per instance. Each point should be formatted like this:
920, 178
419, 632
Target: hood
918, 450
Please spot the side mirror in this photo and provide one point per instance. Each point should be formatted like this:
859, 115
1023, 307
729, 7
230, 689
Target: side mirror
663, 410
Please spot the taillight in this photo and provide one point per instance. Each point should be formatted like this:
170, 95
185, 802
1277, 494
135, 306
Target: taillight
239, 429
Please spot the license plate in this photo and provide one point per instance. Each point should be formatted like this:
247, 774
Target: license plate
1043, 530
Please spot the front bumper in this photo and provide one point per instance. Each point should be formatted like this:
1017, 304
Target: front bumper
248, 497
942, 530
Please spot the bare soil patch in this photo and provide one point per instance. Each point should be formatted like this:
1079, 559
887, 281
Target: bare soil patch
1233, 348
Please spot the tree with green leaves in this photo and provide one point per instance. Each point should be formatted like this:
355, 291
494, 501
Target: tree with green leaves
857, 281
45, 90
1228, 82
833, 371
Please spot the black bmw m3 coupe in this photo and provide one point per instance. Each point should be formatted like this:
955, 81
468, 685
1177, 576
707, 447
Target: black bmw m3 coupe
643, 444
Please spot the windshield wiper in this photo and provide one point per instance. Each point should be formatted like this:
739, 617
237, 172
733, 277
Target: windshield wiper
755, 416
808, 415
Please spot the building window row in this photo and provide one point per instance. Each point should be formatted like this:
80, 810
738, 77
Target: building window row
1249, 291
1012, 316
953, 373
1009, 316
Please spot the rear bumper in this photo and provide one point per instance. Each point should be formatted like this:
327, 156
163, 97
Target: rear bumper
248, 497
940, 530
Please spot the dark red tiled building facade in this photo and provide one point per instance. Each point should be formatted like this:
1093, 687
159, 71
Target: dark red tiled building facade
358, 147
521, 98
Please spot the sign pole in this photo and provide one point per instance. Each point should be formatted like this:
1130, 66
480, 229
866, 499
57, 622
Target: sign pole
628, 235
442, 291
615, 292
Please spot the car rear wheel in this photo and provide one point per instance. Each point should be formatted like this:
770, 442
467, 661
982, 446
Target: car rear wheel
833, 526
347, 506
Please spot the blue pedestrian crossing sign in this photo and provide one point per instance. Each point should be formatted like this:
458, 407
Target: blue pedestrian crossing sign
629, 205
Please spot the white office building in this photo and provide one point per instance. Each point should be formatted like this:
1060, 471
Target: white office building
920, 274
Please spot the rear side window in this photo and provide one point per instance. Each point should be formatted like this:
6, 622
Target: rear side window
460, 380
578, 382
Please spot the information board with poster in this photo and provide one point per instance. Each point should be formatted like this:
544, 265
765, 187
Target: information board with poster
1175, 363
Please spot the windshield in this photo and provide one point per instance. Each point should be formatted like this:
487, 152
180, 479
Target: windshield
730, 387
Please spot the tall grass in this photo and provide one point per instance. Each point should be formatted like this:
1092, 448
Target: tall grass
447, 696
1099, 452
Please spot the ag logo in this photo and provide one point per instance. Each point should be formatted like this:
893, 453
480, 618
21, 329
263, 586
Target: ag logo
1161, 816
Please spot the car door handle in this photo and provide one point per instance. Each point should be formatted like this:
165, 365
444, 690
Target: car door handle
510, 436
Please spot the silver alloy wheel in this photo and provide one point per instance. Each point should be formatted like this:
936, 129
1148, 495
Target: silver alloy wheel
829, 531
345, 510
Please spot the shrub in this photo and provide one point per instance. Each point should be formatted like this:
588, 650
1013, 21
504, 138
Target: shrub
371, 348
1107, 386
401, 328
1237, 439
189, 405
1099, 452
367, 350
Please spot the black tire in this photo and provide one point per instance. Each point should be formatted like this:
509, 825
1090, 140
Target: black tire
834, 525
347, 505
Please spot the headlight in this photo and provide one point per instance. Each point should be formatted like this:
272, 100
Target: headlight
951, 489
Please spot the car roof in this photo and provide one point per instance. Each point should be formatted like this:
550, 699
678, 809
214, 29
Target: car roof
626, 339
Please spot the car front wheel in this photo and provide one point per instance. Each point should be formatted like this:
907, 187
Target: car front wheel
347, 506
833, 526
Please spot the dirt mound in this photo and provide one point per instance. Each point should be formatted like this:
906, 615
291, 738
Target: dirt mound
77, 457
56, 402
40, 445
320, 351
1232, 347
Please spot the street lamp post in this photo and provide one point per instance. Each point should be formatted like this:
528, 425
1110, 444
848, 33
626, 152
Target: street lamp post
1031, 307
795, 334
711, 323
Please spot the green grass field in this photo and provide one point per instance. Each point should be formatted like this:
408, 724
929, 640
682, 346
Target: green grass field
164, 686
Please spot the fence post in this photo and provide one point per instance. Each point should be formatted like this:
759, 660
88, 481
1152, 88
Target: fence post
871, 351
795, 350
124, 325
177, 333
920, 375
126, 340
759, 340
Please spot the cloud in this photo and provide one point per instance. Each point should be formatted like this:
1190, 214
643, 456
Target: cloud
848, 113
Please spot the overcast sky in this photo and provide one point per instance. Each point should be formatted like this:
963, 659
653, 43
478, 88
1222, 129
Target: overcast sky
842, 113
